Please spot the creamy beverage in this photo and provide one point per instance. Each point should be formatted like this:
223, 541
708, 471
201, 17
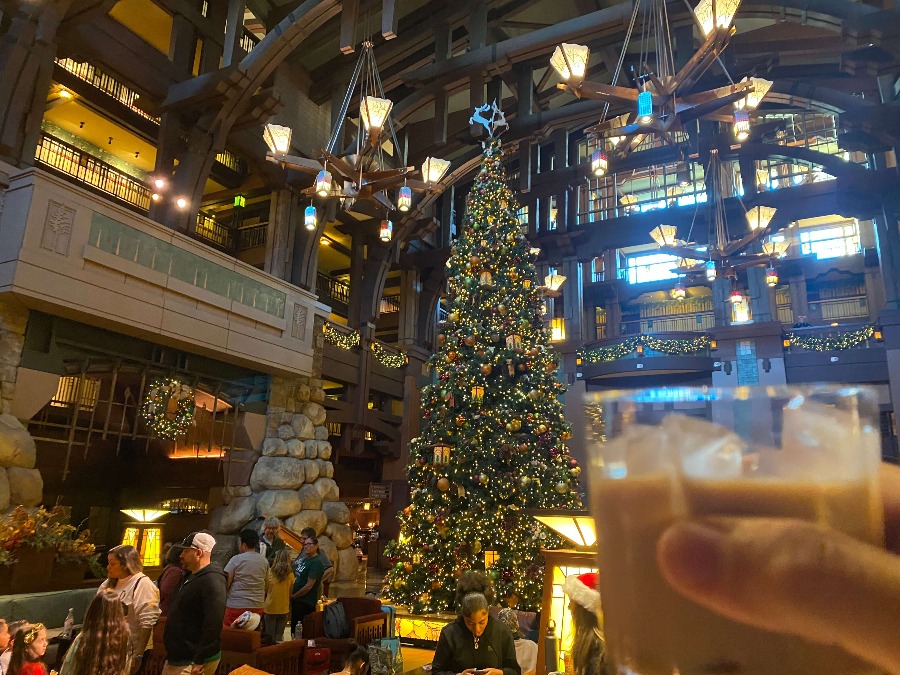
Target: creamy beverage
650, 476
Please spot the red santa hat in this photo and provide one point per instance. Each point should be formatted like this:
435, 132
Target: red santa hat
582, 588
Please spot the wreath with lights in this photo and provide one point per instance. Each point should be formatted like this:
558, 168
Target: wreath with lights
169, 408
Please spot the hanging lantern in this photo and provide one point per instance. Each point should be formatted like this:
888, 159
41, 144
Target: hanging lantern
679, 291
754, 98
710, 270
309, 218
485, 280
510, 367
278, 138
664, 235
404, 199
552, 284
599, 163
736, 297
741, 125
433, 169
442, 453
713, 14
513, 341
478, 394
645, 107
387, 230
323, 183
771, 277
759, 217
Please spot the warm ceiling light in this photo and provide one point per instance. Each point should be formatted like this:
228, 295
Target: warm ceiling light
713, 14
741, 125
576, 526
758, 217
679, 291
65, 93
325, 241
155, 196
570, 61
160, 183
374, 113
771, 277
144, 515
552, 284
752, 100
775, 249
599, 163
278, 138
433, 169
736, 297
310, 219
664, 235
181, 203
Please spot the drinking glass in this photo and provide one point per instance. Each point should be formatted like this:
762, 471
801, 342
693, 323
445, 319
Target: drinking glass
659, 456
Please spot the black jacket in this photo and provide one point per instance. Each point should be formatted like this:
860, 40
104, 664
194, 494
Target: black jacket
195, 618
456, 649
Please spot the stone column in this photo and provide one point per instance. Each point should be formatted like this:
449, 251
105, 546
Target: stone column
762, 298
573, 301
410, 296
887, 241
280, 233
721, 289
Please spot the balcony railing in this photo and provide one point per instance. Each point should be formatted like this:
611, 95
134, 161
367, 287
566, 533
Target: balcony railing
230, 160
93, 172
251, 237
212, 230
389, 304
843, 308
831, 338
328, 288
105, 83
669, 324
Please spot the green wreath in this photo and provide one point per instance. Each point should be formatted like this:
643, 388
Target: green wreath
169, 408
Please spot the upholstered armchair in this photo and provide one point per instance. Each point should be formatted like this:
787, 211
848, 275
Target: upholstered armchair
367, 622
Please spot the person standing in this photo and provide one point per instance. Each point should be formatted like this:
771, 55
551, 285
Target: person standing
279, 582
327, 564
270, 543
170, 579
138, 594
308, 572
195, 617
246, 573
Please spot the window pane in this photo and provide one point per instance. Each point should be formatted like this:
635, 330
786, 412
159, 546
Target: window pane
651, 267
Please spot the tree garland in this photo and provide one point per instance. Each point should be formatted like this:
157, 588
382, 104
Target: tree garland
386, 358
164, 422
340, 339
629, 345
845, 340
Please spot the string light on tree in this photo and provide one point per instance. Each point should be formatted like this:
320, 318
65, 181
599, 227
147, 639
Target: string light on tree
494, 400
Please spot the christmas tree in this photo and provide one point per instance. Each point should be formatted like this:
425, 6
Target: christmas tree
493, 429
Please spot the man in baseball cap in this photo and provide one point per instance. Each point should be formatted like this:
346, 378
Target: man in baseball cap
195, 617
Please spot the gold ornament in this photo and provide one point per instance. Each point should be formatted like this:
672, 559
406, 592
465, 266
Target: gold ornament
562, 487
443, 484
486, 369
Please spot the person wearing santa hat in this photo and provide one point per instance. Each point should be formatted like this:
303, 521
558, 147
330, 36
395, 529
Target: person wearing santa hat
587, 645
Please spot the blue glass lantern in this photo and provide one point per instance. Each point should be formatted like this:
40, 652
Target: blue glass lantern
710, 270
404, 199
645, 107
309, 218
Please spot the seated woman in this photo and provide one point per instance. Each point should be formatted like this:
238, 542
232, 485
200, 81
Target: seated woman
526, 650
475, 644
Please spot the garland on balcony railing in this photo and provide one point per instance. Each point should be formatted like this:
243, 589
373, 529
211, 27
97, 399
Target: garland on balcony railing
629, 345
386, 358
846, 340
340, 339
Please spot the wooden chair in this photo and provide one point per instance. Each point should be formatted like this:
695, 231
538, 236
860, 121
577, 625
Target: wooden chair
367, 623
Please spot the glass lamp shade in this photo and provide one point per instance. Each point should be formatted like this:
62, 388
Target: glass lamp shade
144, 515
736, 296
310, 220
387, 230
714, 14
404, 199
554, 282
433, 169
710, 270
741, 125
664, 235
374, 112
679, 291
759, 217
771, 277
570, 61
599, 163
645, 107
278, 138
775, 249
576, 526
752, 100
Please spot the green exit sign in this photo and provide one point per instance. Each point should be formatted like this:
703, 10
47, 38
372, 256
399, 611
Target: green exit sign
240, 200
